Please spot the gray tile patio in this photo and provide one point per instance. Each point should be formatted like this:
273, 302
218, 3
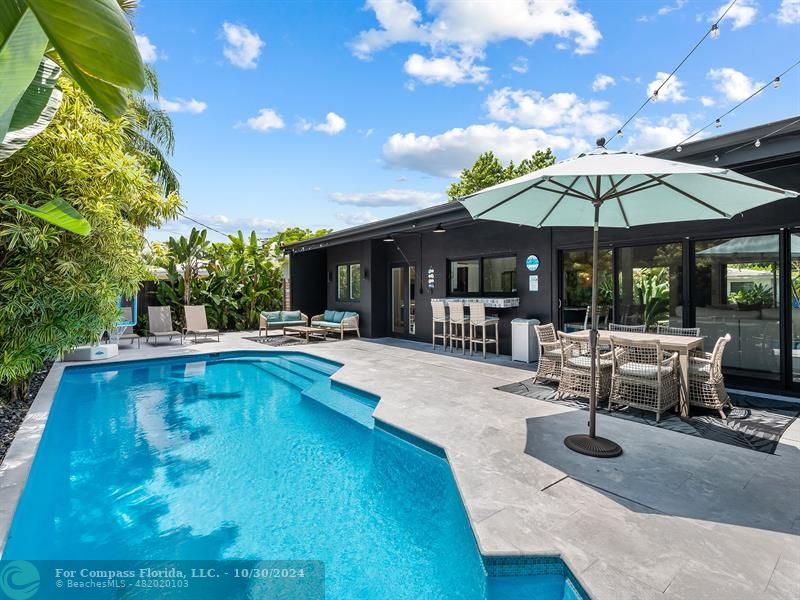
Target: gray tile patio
673, 517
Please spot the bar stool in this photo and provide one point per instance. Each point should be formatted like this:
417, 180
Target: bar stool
439, 316
478, 318
457, 318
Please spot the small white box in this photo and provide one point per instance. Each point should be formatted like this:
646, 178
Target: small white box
98, 352
524, 346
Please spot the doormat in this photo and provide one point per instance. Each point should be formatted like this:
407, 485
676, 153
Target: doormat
760, 431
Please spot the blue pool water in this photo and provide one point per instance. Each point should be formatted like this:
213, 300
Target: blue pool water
249, 456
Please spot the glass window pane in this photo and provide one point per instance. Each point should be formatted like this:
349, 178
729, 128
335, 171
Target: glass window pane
500, 275
342, 291
464, 277
355, 282
412, 302
650, 285
737, 292
577, 289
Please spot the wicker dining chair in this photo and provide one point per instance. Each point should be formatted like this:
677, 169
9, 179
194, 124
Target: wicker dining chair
628, 328
459, 323
440, 316
706, 384
576, 362
549, 366
478, 318
669, 330
643, 375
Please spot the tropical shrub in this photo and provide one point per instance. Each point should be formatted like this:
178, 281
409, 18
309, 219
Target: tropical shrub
651, 289
759, 295
58, 290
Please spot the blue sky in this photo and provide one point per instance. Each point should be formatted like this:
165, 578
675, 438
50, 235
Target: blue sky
331, 114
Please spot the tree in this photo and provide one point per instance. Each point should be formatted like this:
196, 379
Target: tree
58, 290
188, 252
92, 42
488, 171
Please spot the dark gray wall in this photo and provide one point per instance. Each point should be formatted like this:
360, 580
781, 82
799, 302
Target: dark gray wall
307, 272
358, 252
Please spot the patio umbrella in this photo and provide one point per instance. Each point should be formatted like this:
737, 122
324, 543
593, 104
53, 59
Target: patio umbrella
631, 190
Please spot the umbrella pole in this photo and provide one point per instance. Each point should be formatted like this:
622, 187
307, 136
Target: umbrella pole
591, 445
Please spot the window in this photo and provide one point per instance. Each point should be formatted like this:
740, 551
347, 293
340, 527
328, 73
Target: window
737, 291
500, 275
464, 277
348, 282
482, 276
576, 287
650, 285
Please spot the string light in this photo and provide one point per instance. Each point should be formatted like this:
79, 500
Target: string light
714, 32
619, 133
716, 158
678, 147
758, 143
776, 83
718, 124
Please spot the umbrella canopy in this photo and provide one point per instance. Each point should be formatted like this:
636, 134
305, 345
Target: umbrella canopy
759, 247
635, 190
631, 190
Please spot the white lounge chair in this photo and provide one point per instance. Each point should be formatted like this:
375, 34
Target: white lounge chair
159, 324
196, 322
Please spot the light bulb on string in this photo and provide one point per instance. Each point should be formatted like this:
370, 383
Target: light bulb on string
716, 158
679, 149
776, 83
758, 143
715, 31
717, 123
619, 133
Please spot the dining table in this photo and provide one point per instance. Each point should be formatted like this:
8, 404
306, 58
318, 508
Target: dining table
681, 344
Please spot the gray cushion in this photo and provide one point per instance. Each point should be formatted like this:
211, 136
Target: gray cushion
553, 353
326, 324
584, 362
289, 323
699, 369
271, 315
633, 369
290, 315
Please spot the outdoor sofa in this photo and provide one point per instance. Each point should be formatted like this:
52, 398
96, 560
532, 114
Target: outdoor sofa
337, 321
278, 319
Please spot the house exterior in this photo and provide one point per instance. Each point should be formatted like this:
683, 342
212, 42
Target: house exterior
739, 276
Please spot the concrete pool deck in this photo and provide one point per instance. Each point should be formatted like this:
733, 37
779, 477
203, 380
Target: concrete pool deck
674, 517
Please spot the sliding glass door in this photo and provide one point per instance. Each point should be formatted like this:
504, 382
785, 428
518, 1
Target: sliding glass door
576, 288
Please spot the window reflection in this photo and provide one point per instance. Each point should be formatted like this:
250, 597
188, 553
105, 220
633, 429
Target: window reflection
577, 289
737, 291
650, 285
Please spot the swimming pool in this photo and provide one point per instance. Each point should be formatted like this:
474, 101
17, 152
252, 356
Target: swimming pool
255, 456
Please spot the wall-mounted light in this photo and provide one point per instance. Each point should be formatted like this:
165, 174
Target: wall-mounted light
330, 276
388, 238
431, 278
366, 274
439, 229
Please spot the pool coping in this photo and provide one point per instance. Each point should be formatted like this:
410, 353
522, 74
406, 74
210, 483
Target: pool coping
18, 461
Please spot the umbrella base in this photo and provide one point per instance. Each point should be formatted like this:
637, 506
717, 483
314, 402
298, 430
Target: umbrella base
592, 446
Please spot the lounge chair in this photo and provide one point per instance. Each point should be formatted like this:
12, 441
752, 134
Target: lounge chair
278, 319
159, 324
196, 322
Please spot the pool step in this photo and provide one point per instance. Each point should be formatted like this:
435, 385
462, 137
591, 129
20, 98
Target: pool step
292, 378
343, 403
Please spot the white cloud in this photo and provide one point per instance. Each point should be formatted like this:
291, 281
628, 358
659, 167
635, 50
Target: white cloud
743, 13
447, 153
707, 101
734, 85
265, 120
602, 82
391, 197
333, 124
563, 112
665, 10
242, 47
356, 218
179, 105
651, 134
789, 12
147, 49
520, 65
457, 32
672, 92
448, 70
226, 224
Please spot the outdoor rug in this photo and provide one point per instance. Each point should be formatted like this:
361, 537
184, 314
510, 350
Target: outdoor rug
760, 431
287, 340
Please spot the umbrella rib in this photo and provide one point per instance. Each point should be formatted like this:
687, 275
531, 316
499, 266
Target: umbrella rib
569, 191
511, 197
638, 187
767, 188
694, 198
610, 193
557, 202
619, 202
